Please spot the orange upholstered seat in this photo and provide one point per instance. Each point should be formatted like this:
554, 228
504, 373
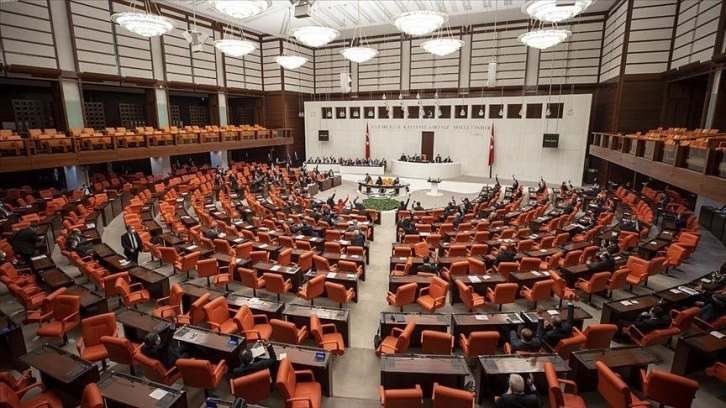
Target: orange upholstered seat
397, 341
479, 343
405, 295
253, 388
297, 393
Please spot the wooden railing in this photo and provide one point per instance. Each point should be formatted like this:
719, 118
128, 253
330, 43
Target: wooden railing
699, 168
39, 153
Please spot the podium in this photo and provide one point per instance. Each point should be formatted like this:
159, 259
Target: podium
434, 188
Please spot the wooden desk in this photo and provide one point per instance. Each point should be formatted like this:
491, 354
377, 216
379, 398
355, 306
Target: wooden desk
677, 297
530, 318
542, 253
217, 346
62, 372
626, 361
293, 273
405, 371
192, 292
91, 302
268, 307
575, 246
697, 351
465, 323
366, 246
103, 250
574, 272
479, 283
649, 250
118, 263
272, 249
424, 321
300, 315
156, 283
528, 278
304, 358
349, 280
137, 324
615, 310
12, 345
153, 228
492, 372
41, 263
123, 390
315, 242
56, 278
334, 257
170, 240
395, 281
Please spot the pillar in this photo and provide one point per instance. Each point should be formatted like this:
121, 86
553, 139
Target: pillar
70, 90
531, 76
162, 108
73, 107
160, 165
75, 177
219, 158
222, 105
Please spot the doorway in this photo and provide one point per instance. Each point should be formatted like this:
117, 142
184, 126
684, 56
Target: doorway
427, 145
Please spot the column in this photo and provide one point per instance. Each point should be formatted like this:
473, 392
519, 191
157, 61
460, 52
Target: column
160, 93
222, 104
531, 75
73, 106
160, 165
219, 158
75, 177
162, 108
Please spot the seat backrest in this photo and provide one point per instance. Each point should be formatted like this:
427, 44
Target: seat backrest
285, 257
315, 286
286, 379
254, 387
120, 349
66, 305
656, 265
542, 289
528, 264
505, 268
305, 261
404, 339
475, 266
196, 373
483, 343
207, 267
599, 281
284, 332
505, 292
196, 310
402, 398
406, 294
572, 258
670, 389
618, 279
216, 311
8, 397
567, 345
153, 369
438, 287
637, 266
92, 397
684, 318
446, 397
436, 342
556, 398
336, 292
599, 335
611, 387
95, 327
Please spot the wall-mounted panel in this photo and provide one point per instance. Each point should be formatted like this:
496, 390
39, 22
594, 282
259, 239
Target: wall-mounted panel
329, 63
27, 36
245, 72
502, 46
134, 51
177, 54
650, 34
696, 32
383, 73
577, 60
300, 79
432, 72
271, 70
614, 37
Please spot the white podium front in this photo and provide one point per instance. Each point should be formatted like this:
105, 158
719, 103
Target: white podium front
434, 191
426, 170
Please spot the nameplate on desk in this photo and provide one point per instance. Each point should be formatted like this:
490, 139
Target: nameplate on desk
704, 280
674, 290
481, 317
474, 279
486, 277
343, 256
262, 246
91, 225
344, 242
299, 236
192, 247
237, 240
542, 250
331, 275
275, 268
718, 335
688, 290
535, 273
158, 394
38, 258
350, 275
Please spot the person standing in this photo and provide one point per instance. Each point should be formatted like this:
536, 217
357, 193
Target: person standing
131, 241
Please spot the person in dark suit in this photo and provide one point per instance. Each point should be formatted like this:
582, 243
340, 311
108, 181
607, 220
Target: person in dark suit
250, 364
162, 349
131, 242
604, 263
654, 319
555, 330
427, 266
358, 239
368, 179
24, 242
525, 341
519, 394
212, 233
507, 254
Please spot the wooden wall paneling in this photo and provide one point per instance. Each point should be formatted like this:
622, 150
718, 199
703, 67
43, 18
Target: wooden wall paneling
177, 54
328, 65
27, 34
204, 62
605, 106
301, 79
696, 33
430, 71
640, 103
383, 73
245, 72
272, 74
578, 59
503, 47
134, 52
649, 41
613, 41
93, 33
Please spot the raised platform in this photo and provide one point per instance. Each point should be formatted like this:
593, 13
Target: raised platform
426, 170
337, 168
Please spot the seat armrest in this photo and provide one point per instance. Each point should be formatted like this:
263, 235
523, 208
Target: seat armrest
300, 373
71, 316
136, 285
33, 385
568, 382
396, 331
261, 317
328, 326
162, 301
307, 399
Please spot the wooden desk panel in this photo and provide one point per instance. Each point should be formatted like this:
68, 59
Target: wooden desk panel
626, 361
465, 323
304, 358
405, 371
300, 315
269, 307
492, 371
479, 283
424, 321
123, 390
137, 324
697, 351
615, 310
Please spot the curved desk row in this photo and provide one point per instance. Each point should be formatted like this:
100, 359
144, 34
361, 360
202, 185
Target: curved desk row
337, 168
426, 170
385, 190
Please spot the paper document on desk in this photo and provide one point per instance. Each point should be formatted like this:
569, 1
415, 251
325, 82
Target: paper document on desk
474, 279
690, 291
535, 273
257, 350
481, 317
625, 303
553, 312
262, 246
275, 268
254, 301
158, 394
299, 236
486, 277
331, 275
282, 356
718, 335
37, 258
674, 290
192, 247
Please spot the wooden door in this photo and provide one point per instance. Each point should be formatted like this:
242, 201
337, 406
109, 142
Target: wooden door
427, 145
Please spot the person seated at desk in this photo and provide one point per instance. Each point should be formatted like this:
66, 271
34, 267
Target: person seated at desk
408, 225
459, 219
72, 246
213, 232
428, 267
713, 306
612, 246
438, 158
359, 206
396, 181
249, 364
541, 186
353, 227
403, 157
515, 183
525, 341
554, 330
331, 174
680, 222
162, 349
604, 263
358, 238
654, 319
368, 179
340, 205
24, 243
563, 189
519, 394
448, 159
590, 225
76, 236
505, 254
468, 206
306, 229
630, 225
379, 181
417, 206
327, 217
331, 201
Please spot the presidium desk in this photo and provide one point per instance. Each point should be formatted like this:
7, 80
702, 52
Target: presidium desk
426, 170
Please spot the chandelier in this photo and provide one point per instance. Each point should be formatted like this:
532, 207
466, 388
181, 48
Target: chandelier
551, 11
291, 61
543, 38
144, 22
315, 36
420, 22
442, 46
359, 54
234, 47
240, 9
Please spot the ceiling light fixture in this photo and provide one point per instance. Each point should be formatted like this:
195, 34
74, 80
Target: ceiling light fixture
442, 46
241, 9
144, 22
315, 36
234, 47
291, 61
420, 22
543, 38
359, 51
555, 11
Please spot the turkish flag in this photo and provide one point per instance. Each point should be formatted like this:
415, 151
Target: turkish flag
491, 147
368, 143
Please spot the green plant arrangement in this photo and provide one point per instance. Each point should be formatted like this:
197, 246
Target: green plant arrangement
381, 204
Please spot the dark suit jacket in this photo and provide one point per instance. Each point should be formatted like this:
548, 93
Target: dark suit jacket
646, 324
534, 345
607, 265
258, 364
524, 400
553, 335
504, 257
359, 240
126, 243
24, 241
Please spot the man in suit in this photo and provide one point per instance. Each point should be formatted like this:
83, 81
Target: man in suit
427, 266
24, 242
250, 364
555, 330
654, 319
507, 254
162, 350
525, 341
212, 233
358, 238
604, 263
519, 394
131, 242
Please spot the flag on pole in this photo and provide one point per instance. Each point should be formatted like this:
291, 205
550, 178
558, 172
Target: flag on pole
491, 148
368, 143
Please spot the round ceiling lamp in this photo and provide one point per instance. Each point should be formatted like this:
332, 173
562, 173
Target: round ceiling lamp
442, 46
544, 38
420, 22
144, 24
315, 36
241, 9
291, 61
234, 47
552, 12
359, 54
